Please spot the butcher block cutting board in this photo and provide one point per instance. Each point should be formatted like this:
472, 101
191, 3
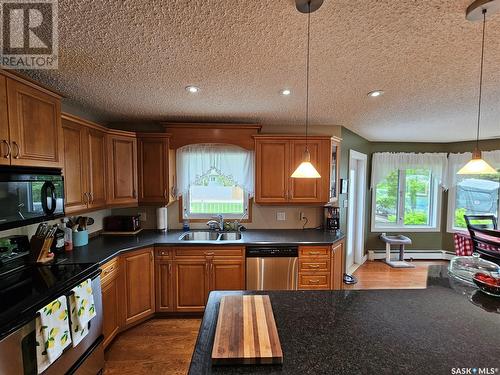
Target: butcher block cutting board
246, 332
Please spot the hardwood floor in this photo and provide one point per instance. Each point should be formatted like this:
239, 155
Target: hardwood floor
158, 346
378, 275
164, 346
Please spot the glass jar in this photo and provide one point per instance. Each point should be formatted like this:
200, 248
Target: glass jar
465, 267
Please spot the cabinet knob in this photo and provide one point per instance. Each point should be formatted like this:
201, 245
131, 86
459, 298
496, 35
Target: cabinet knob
7, 155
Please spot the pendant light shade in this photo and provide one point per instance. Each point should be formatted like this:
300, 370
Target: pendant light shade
476, 11
306, 169
477, 166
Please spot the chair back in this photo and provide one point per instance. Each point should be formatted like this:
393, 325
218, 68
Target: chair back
481, 221
486, 243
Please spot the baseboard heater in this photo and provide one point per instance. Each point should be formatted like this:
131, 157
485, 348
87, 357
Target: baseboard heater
413, 254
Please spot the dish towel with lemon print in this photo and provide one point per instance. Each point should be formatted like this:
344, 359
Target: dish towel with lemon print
81, 304
52, 332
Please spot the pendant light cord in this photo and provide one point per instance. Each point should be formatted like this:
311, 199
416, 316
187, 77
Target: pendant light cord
481, 80
307, 69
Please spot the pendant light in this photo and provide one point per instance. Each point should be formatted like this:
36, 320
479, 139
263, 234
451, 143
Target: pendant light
306, 168
477, 165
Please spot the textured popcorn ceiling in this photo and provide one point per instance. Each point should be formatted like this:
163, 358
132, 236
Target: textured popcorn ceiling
130, 60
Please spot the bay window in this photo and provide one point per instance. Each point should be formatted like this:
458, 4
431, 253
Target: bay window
407, 191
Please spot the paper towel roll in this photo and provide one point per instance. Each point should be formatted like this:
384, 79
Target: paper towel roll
161, 218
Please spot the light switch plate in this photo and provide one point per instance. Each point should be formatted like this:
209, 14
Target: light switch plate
280, 216
346, 203
144, 216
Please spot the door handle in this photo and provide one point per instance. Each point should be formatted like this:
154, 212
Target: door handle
16, 146
313, 266
314, 281
91, 197
86, 198
170, 268
165, 193
7, 155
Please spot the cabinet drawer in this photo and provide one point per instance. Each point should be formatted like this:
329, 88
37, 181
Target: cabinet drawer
202, 252
109, 270
163, 253
314, 265
314, 251
314, 281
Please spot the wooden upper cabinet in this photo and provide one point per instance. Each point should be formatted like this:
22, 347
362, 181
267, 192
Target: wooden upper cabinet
5, 148
311, 190
75, 167
277, 157
138, 285
34, 125
155, 169
272, 170
84, 164
96, 145
122, 168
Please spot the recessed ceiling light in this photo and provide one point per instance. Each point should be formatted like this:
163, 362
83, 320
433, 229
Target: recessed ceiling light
375, 93
285, 92
192, 89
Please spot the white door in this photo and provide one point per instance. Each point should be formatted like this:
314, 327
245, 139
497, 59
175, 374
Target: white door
355, 254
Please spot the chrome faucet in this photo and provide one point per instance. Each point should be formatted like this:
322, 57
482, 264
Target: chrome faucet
216, 224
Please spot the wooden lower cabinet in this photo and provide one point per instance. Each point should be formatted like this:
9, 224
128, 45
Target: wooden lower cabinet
138, 285
164, 285
111, 314
227, 274
321, 267
191, 284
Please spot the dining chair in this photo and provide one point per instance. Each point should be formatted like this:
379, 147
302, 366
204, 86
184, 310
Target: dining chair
481, 221
486, 243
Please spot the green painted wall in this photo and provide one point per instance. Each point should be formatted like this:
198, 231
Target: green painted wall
421, 241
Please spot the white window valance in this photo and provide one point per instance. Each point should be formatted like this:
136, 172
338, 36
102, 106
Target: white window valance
194, 161
384, 163
457, 161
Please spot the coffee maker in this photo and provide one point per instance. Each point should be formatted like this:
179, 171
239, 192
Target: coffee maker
331, 218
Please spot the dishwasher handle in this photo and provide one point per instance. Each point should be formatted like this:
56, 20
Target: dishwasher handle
272, 251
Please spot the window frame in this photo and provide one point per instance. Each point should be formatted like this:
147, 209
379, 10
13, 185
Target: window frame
450, 222
436, 193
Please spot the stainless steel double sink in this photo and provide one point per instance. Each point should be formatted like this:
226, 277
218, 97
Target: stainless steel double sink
210, 236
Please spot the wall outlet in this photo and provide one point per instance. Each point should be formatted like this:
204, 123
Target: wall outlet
144, 216
280, 216
346, 203
302, 216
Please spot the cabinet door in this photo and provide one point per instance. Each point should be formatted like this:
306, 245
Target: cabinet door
96, 145
110, 313
139, 293
164, 287
122, 169
307, 190
5, 150
227, 274
338, 266
191, 285
153, 170
75, 167
272, 171
35, 126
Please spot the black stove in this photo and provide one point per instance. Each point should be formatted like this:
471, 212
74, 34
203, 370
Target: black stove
26, 287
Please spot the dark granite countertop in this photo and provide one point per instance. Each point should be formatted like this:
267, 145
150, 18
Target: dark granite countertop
426, 331
105, 247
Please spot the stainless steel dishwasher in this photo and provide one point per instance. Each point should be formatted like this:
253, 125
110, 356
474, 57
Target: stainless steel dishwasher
272, 267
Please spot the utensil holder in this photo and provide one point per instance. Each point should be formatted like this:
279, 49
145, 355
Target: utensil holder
40, 249
80, 238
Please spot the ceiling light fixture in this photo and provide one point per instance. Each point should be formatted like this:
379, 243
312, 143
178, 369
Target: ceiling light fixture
286, 92
192, 89
375, 93
477, 11
306, 168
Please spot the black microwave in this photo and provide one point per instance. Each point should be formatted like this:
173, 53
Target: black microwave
30, 195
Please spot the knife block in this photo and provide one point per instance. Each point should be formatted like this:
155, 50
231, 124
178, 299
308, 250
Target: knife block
40, 249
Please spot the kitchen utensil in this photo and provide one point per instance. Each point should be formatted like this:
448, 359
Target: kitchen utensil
464, 268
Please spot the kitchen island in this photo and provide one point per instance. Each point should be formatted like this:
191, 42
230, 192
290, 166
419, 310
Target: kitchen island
426, 331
